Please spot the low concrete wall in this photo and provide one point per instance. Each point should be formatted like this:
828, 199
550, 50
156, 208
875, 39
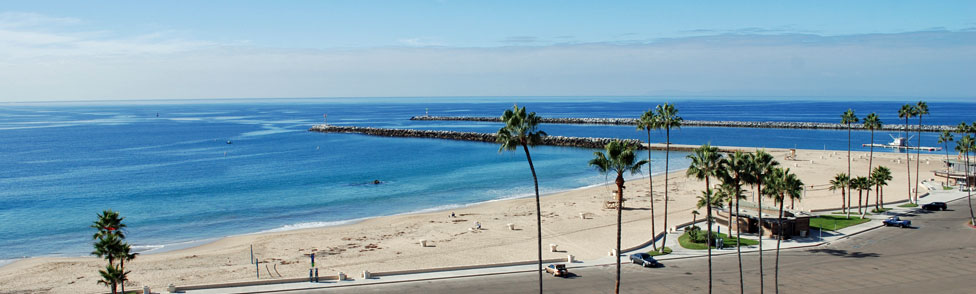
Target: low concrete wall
700, 123
252, 283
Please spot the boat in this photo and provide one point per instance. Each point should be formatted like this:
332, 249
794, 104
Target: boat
901, 143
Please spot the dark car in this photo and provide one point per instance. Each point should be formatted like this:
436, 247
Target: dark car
645, 260
557, 270
935, 206
897, 222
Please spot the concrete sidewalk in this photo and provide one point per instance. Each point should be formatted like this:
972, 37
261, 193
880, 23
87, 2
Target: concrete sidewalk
816, 238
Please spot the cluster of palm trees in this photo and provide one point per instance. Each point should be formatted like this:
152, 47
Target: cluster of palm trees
734, 171
966, 145
907, 112
110, 244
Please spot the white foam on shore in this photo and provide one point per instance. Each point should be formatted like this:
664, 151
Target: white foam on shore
310, 225
4, 262
152, 249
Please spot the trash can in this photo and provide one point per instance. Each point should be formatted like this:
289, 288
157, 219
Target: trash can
146, 290
552, 247
342, 276
511, 227
366, 275
423, 243
570, 258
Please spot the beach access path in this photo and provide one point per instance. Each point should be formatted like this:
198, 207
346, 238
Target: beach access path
816, 239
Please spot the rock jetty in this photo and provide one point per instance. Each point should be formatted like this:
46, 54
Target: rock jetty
699, 123
468, 136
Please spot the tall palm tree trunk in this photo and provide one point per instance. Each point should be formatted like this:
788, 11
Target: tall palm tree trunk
849, 167
620, 205
972, 217
918, 152
538, 211
859, 202
947, 162
778, 240
667, 160
870, 171
843, 199
708, 237
877, 192
738, 247
650, 192
908, 166
122, 270
848, 187
760, 197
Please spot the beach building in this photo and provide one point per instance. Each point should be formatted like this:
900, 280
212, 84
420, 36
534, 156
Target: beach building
957, 172
794, 222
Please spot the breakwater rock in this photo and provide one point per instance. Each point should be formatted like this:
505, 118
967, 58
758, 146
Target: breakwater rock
700, 123
584, 142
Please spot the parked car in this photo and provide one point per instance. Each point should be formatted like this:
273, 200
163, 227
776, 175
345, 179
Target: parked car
645, 260
935, 206
895, 221
557, 270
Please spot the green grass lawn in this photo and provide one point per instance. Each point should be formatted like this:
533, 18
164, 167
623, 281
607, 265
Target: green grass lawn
880, 210
948, 187
908, 205
834, 222
665, 251
685, 242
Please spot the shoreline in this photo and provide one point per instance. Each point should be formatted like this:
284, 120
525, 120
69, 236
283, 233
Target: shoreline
366, 244
191, 244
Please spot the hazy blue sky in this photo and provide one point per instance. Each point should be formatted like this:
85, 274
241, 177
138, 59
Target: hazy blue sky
76, 50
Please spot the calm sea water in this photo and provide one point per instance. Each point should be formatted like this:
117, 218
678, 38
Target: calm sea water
176, 179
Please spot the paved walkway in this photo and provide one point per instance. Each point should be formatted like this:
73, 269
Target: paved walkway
816, 238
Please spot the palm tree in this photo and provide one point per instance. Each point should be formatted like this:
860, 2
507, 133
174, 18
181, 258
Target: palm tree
694, 217
123, 254
966, 144
619, 158
881, 177
521, 129
840, 182
921, 108
945, 138
871, 122
108, 247
848, 118
108, 222
704, 165
907, 111
762, 165
113, 276
647, 122
787, 185
667, 117
734, 172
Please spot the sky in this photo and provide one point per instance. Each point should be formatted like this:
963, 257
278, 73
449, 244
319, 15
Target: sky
132, 50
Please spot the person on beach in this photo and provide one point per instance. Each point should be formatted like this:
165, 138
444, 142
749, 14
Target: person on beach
452, 215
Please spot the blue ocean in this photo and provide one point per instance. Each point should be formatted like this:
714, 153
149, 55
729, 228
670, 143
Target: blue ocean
185, 172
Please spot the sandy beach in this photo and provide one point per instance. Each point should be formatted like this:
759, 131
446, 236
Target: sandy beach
392, 243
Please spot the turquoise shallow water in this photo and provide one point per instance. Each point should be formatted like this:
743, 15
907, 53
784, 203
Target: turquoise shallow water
176, 180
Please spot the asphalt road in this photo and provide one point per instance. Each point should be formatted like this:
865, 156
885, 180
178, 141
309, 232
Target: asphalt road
937, 255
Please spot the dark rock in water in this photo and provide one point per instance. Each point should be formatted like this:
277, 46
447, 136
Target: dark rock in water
376, 182
584, 142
